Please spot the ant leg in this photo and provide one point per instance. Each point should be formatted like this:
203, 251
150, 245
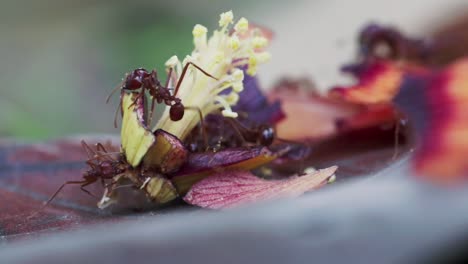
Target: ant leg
237, 126
86, 191
184, 71
202, 123
150, 118
92, 154
102, 151
60, 189
89, 151
100, 147
140, 95
169, 76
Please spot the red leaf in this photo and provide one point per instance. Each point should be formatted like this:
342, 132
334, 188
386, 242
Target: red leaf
235, 188
30, 174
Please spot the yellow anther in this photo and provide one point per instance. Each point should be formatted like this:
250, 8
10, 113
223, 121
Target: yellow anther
252, 70
253, 61
238, 75
259, 42
225, 19
199, 31
234, 42
238, 87
229, 113
172, 62
242, 26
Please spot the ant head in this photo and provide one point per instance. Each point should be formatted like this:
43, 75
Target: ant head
135, 79
266, 135
176, 112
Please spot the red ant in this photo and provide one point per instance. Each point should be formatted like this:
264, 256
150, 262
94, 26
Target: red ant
102, 167
141, 78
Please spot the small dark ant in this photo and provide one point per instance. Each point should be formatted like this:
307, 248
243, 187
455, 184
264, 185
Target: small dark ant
142, 79
263, 134
102, 167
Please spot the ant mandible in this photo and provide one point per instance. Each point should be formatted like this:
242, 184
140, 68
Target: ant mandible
141, 78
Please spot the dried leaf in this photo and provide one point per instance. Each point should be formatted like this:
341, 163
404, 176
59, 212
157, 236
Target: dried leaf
235, 188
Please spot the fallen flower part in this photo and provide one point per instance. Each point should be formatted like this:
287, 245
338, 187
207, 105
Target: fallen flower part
333, 115
439, 48
386, 76
236, 188
433, 99
438, 107
202, 165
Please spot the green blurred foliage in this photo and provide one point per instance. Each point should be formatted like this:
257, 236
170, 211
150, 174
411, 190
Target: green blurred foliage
60, 59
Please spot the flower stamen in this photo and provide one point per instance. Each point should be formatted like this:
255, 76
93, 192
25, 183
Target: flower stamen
226, 54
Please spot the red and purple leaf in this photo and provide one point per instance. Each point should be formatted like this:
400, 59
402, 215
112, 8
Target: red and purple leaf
434, 101
201, 165
235, 188
437, 105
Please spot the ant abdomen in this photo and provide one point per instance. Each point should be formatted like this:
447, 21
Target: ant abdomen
176, 112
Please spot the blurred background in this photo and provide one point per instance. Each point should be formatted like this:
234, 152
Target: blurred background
59, 59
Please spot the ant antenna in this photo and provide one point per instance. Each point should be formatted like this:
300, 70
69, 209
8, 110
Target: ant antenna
119, 107
119, 86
